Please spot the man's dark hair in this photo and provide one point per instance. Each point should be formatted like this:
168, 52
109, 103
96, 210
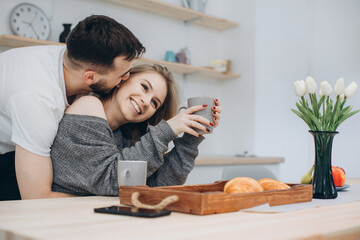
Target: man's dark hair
98, 40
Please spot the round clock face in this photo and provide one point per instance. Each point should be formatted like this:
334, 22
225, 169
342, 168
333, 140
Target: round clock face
27, 20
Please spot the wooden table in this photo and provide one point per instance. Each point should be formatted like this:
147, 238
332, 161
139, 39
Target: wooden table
73, 218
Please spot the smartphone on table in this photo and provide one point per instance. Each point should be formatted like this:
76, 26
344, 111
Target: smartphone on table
132, 211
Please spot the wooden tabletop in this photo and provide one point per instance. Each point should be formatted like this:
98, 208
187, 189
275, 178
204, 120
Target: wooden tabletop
73, 218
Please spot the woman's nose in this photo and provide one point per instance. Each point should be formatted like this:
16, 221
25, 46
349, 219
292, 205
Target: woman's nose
146, 100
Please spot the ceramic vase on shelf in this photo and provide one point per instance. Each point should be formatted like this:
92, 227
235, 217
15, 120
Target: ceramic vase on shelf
323, 183
65, 33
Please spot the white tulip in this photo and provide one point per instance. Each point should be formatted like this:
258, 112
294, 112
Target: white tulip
321, 93
310, 85
300, 89
351, 89
325, 88
339, 87
342, 97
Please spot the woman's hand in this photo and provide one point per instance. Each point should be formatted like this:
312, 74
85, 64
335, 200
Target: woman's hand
216, 110
184, 121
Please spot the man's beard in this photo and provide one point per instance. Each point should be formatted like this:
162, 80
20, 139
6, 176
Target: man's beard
100, 88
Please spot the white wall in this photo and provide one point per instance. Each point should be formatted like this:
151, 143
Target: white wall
295, 39
334, 53
277, 42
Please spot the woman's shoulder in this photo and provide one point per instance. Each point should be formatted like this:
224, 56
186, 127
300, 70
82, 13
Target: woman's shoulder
87, 105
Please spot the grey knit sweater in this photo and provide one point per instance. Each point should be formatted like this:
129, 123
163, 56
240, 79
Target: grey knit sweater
85, 155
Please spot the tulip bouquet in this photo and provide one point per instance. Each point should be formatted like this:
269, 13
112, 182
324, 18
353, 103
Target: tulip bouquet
322, 114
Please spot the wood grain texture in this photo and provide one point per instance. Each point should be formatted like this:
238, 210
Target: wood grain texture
189, 69
74, 218
17, 41
233, 160
178, 12
203, 199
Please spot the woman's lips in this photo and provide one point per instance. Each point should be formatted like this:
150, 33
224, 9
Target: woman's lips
136, 106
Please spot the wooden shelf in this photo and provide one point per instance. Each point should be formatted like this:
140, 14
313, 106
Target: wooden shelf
177, 12
173, 67
16, 41
188, 69
233, 160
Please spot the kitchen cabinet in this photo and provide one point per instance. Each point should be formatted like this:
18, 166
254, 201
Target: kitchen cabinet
16, 41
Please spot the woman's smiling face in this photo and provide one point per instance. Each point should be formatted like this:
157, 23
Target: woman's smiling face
140, 96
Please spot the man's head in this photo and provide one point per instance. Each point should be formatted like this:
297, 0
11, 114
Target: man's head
103, 48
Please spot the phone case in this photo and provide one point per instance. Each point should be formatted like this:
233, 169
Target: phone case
132, 211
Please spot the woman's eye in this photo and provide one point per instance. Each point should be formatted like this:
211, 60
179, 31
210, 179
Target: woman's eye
144, 87
155, 104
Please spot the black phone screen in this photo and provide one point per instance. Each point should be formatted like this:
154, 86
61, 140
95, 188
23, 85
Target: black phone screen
132, 211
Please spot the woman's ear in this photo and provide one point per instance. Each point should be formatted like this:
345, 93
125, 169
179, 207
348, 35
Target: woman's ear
89, 77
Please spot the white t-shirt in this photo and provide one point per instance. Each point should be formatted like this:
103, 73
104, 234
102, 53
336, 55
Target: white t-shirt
32, 97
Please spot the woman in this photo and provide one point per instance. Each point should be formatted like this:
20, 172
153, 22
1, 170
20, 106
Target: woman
135, 122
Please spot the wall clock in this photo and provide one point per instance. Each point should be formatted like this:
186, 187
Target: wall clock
28, 20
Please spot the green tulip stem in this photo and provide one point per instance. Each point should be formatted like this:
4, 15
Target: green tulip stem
331, 116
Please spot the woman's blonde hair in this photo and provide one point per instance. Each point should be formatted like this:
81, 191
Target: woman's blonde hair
167, 110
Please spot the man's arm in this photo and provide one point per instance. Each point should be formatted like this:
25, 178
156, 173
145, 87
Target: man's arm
34, 175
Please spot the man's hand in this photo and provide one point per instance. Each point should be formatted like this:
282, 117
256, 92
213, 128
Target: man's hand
34, 175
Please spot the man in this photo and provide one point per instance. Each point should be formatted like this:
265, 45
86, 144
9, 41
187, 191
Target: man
36, 86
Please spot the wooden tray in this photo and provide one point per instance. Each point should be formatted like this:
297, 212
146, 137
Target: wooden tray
209, 198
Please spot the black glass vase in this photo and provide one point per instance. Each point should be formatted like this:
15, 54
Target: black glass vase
65, 33
323, 182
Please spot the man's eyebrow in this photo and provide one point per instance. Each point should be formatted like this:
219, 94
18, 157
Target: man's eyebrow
126, 72
152, 89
